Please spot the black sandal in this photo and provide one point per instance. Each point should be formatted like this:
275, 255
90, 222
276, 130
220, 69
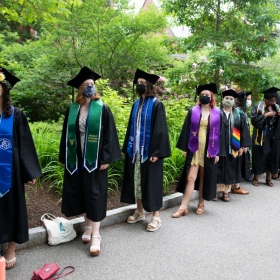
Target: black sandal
269, 183
226, 197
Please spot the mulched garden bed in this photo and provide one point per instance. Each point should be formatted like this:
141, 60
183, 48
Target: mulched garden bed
41, 200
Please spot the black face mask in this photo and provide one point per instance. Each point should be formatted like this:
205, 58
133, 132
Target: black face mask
140, 89
204, 99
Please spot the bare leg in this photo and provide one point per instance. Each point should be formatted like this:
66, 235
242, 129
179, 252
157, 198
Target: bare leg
190, 186
183, 209
201, 177
10, 254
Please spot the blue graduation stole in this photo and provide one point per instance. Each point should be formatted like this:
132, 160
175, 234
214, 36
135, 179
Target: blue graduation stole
6, 152
145, 128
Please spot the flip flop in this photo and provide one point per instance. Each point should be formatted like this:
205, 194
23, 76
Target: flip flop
13, 260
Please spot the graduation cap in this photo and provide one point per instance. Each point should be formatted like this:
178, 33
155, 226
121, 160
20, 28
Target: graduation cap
270, 92
84, 74
230, 92
211, 87
242, 94
7, 78
152, 78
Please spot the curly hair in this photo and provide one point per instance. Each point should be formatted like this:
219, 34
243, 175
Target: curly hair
212, 101
81, 99
7, 110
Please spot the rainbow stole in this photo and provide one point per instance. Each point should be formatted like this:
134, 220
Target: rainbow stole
235, 124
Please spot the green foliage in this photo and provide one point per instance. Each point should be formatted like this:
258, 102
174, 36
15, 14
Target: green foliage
32, 11
234, 35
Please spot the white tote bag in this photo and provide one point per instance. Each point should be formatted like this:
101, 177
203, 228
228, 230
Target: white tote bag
59, 230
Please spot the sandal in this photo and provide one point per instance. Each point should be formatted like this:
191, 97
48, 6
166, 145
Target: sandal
200, 209
13, 261
180, 212
226, 197
95, 250
269, 183
151, 226
255, 182
140, 217
215, 198
86, 238
276, 177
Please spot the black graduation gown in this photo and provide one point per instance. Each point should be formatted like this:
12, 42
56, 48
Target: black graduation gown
151, 173
13, 213
245, 158
85, 192
229, 168
265, 157
210, 169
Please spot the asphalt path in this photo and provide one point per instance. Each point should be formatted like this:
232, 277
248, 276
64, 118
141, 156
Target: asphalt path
239, 239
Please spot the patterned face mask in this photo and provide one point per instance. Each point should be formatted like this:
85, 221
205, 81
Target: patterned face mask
89, 91
228, 103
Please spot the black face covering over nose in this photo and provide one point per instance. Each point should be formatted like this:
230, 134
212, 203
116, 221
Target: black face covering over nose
140, 89
204, 99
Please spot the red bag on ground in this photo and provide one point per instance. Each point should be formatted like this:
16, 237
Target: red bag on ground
49, 270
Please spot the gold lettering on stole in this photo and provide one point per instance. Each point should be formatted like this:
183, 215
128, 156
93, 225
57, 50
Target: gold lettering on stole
92, 138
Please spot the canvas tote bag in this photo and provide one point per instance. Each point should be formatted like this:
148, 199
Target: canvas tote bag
59, 230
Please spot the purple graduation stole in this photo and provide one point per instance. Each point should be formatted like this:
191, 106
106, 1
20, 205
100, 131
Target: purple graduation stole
214, 131
6, 152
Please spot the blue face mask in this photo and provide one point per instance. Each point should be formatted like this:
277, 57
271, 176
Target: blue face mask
89, 91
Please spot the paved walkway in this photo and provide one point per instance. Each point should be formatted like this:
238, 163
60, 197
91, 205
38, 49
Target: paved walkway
235, 240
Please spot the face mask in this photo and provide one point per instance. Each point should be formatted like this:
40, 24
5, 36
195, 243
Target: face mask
204, 99
248, 103
140, 89
89, 91
228, 103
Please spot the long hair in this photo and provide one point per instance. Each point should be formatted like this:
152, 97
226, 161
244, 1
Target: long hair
81, 99
212, 101
7, 110
240, 103
150, 89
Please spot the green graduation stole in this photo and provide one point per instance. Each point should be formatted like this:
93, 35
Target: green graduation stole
93, 124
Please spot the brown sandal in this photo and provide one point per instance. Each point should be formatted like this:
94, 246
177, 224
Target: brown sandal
180, 212
276, 178
255, 182
269, 183
226, 197
200, 209
215, 198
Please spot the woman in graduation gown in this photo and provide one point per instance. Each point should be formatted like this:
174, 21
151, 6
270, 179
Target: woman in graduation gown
200, 142
18, 165
266, 137
145, 146
89, 143
235, 137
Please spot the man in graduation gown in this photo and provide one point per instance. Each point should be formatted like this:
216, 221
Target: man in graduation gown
266, 137
235, 137
89, 143
243, 102
18, 165
145, 146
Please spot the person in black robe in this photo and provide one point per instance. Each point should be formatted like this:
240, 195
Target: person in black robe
266, 137
200, 169
25, 168
235, 137
85, 186
243, 102
143, 167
